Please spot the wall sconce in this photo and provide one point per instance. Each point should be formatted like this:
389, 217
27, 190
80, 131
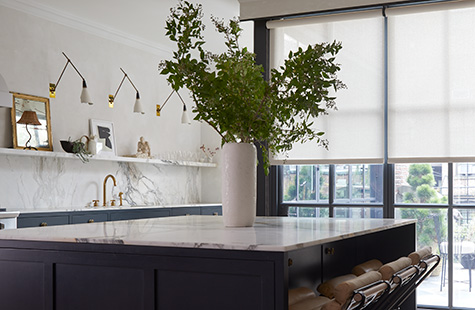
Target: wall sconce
185, 119
85, 98
137, 106
29, 118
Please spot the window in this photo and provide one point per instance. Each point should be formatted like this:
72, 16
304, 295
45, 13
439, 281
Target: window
421, 183
306, 183
358, 184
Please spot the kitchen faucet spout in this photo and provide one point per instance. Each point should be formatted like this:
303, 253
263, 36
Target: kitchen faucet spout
104, 187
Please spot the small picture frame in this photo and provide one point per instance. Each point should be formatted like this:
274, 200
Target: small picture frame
104, 130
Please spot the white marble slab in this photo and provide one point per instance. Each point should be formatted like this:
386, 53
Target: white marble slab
268, 234
54, 183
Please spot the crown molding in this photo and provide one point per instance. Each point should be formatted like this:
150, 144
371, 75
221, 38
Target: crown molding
75, 22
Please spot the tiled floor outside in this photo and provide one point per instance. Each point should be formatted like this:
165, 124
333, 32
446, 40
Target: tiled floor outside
429, 293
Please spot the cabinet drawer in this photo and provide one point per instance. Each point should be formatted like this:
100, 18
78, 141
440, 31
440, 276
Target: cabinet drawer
185, 211
211, 211
42, 221
88, 218
133, 215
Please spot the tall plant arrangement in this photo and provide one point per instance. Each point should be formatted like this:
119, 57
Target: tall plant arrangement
232, 95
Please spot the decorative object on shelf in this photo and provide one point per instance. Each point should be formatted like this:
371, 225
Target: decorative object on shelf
5, 95
232, 95
31, 110
185, 118
143, 149
77, 147
85, 97
138, 105
209, 153
29, 118
94, 145
67, 145
104, 130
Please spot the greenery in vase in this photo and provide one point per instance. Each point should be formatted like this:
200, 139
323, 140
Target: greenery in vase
232, 95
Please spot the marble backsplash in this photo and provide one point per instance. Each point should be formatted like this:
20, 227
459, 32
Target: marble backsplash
44, 183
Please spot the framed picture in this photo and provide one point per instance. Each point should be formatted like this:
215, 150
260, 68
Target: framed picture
31, 123
104, 130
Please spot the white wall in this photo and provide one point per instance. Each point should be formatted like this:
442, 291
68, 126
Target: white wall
30, 58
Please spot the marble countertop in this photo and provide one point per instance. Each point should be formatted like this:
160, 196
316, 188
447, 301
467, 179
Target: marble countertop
6, 215
101, 208
279, 234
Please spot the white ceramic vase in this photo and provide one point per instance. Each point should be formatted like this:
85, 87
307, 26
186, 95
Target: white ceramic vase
239, 184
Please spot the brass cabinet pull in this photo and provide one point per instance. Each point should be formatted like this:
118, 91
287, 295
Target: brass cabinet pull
43, 224
215, 213
90, 221
187, 214
330, 251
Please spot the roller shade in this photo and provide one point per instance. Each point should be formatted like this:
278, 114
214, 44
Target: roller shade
254, 9
355, 132
431, 83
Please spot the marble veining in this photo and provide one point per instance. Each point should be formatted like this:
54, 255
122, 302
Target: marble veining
54, 182
209, 232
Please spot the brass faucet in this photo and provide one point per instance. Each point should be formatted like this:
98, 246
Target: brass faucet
104, 187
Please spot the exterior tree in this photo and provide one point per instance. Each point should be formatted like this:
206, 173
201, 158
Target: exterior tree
431, 223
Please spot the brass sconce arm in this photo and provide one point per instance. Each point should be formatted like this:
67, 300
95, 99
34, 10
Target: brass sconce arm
85, 98
137, 107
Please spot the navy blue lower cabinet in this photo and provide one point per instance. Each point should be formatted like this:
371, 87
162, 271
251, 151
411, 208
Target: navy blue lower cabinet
89, 217
120, 215
41, 220
184, 211
213, 210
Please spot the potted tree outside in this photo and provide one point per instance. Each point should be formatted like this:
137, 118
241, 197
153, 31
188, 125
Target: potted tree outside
231, 94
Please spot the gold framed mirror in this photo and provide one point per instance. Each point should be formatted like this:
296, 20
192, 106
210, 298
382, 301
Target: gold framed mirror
31, 123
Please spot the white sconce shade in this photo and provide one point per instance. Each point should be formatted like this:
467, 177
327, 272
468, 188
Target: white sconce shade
5, 96
85, 98
138, 105
185, 119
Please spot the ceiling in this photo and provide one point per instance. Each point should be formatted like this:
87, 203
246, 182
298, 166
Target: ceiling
143, 20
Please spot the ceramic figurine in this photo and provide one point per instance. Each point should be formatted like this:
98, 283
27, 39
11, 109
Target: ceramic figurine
143, 149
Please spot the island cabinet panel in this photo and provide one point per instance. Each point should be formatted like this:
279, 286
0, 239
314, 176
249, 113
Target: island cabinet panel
23, 285
98, 287
214, 284
305, 267
338, 258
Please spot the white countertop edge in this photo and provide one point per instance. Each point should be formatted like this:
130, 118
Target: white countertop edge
9, 214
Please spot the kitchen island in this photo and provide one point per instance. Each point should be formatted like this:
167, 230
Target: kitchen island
188, 262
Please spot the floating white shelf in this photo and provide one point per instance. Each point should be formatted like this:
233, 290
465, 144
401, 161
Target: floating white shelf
18, 152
